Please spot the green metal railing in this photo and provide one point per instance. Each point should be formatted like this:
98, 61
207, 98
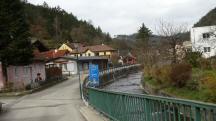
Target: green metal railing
134, 107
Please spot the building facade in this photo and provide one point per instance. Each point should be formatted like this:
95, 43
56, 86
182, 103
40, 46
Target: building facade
93, 50
68, 64
20, 76
203, 40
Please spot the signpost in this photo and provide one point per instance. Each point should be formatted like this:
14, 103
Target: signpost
94, 75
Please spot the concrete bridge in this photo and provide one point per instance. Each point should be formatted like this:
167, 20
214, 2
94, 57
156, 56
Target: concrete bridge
120, 106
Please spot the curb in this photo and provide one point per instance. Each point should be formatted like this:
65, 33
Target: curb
91, 115
15, 94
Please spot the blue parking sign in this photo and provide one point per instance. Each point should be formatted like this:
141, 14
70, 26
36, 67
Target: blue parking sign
94, 75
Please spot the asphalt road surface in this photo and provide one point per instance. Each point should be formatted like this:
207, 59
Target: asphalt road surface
58, 103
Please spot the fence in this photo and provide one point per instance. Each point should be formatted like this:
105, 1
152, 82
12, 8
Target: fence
135, 107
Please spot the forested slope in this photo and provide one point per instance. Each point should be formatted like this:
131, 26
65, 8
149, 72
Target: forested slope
55, 25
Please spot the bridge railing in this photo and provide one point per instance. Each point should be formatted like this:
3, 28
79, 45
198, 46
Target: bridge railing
106, 72
135, 107
113, 69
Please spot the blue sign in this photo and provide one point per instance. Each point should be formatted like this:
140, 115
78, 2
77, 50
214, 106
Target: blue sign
94, 75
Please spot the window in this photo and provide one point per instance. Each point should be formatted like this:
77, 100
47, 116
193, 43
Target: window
97, 54
207, 49
89, 54
65, 67
80, 54
206, 35
26, 70
16, 71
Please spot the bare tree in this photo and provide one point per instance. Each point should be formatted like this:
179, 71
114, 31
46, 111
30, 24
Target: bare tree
171, 33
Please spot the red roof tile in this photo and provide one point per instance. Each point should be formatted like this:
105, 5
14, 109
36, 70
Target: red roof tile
51, 54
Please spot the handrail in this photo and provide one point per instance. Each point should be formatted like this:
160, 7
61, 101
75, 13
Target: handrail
160, 98
136, 107
121, 106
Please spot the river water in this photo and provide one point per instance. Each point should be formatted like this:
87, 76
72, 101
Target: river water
129, 84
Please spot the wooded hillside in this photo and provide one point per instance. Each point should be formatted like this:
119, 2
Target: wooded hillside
207, 20
55, 25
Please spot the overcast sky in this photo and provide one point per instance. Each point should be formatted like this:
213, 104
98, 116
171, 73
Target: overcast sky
125, 16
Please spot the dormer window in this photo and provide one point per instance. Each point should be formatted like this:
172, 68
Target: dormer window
206, 35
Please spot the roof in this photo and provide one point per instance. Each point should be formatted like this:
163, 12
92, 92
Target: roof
74, 45
51, 54
94, 48
82, 58
129, 55
99, 48
86, 58
39, 45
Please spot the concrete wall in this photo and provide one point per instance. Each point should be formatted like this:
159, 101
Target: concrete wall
21, 76
72, 67
198, 42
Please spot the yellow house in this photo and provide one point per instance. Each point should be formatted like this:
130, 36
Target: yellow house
94, 50
70, 46
65, 47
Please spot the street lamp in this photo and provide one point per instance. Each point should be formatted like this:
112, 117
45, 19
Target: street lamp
78, 71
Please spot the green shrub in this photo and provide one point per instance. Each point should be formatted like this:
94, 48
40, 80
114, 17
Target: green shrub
192, 84
180, 74
193, 58
205, 64
162, 75
208, 83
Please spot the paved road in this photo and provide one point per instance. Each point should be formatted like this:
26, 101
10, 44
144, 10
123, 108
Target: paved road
59, 103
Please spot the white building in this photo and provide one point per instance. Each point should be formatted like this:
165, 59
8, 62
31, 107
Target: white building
203, 39
69, 63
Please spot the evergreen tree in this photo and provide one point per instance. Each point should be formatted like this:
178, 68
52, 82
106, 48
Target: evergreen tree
144, 33
15, 47
142, 43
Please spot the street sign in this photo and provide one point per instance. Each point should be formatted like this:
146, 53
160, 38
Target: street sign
94, 75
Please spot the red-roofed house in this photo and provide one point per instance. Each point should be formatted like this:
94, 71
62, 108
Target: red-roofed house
129, 59
52, 54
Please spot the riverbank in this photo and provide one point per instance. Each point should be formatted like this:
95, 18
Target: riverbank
152, 87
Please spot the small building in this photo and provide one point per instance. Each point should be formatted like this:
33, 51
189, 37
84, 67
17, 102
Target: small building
69, 63
22, 75
129, 59
203, 40
19, 76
